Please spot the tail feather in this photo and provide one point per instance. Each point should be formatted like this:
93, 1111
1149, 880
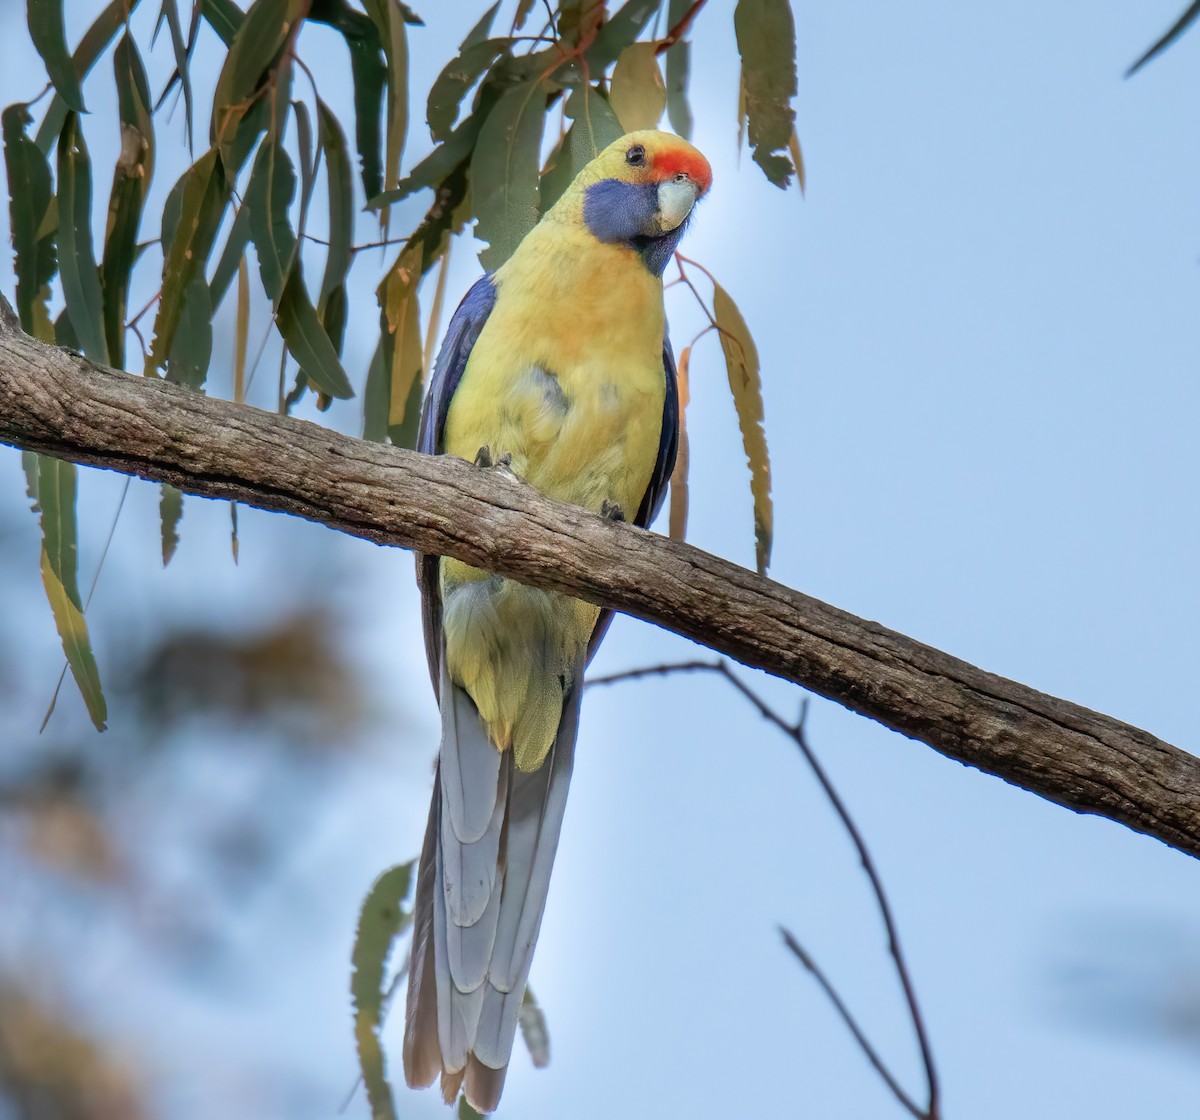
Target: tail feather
479, 901
422, 1054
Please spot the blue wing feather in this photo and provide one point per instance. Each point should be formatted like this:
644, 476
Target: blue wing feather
461, 336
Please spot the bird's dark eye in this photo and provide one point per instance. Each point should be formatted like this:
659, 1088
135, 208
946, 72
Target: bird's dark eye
636, 156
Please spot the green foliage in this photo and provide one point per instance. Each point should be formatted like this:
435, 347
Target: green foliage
745, 382
31, 202
77, 262
383, 918
766, 37
201, 196
504, 171
45, 18
255, 185
131, 181
56, 501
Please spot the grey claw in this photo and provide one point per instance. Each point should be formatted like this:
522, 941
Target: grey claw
483, 457
612, 510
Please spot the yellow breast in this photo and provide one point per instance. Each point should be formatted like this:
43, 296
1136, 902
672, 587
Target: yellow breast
567, 379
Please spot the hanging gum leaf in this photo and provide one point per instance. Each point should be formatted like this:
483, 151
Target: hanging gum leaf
77, 261
30, 195
56, 497
745, 382
203, 195
241, 333
191, 348
438, 165
383, 918
637, 92
224, 17
376, 396
341, 201
310, 159
618, 32
389, 20
595, 127
131, 182
169, 12
766, 37
678, 514
504, 171
170, 510
253, 87
97, 37
401, 322
678, 60
427, 243
452, 84
369, 72
307, 341
45, 18
268, 198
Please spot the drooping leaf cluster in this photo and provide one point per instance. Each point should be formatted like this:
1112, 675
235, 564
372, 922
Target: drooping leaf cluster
241, 210
532, 94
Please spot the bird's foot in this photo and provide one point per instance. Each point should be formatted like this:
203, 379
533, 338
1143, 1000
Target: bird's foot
501, 464
612, 510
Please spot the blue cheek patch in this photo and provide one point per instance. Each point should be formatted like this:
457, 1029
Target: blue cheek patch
618, 212
624, 214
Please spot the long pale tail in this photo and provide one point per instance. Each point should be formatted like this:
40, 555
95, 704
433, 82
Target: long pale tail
481, 890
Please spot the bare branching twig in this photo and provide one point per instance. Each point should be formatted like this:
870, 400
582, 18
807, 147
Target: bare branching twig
796, 732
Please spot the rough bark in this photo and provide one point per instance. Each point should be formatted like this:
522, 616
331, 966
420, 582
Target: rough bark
60, 404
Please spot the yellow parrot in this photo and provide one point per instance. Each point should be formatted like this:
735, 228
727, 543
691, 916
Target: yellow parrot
556, 366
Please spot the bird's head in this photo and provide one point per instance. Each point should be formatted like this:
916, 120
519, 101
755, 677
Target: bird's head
640, 192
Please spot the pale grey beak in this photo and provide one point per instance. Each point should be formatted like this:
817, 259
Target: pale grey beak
676, 197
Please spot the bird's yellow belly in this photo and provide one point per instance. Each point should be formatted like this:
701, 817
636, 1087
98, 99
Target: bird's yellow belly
588, 435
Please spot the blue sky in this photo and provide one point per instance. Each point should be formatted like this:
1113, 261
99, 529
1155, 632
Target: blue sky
978, 336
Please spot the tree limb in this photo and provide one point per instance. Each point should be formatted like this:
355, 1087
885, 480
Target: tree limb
58, 403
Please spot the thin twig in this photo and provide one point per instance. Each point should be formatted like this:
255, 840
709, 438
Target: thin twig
852, 1025
797, 734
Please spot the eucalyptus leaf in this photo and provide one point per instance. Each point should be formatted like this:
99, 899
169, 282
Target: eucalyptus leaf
766, 37
384, 916
45, 18
131, 182
202, 194
103, 30
637, 92
31, 195
678, 60
77, 261
56, 489
745, 383
504, 171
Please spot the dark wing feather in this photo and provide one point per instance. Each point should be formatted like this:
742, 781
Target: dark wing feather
460, 338
664, 465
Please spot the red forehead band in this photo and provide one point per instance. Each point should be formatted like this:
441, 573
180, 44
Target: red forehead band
671, 161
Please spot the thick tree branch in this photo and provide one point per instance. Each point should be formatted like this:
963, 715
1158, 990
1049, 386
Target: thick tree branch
59, 403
